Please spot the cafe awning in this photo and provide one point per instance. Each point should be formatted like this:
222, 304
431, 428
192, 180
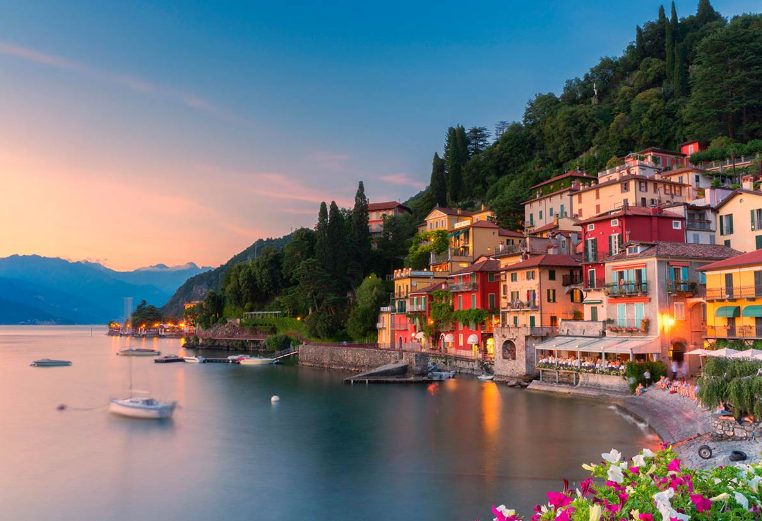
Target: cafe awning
752, 311
598, 345
727, 311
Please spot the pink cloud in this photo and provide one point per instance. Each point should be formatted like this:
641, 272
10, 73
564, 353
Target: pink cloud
403, 179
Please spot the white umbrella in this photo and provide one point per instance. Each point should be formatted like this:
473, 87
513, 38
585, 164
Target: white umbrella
748, 353
420, 334
472, 339
700, 352
449, 337
722, 353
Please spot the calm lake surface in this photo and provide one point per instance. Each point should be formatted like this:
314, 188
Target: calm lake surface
327, 451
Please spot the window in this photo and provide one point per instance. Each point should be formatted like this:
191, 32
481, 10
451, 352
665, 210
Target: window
531, 219
597, 195
614, 222
643, 202
679, 308
473, 300
638, 314
697, 179
561, 212
505, 289
591, 278
514, 276
625, 186
677, 225
541, 215
590, 227
514, 296
597, 209
591, 250
615, 243
726, 224
515, 321
643, 186
550, 212
694, 238
551, 274
532, 321
460, 301
711, 239
758, 242
551, 295
491, 300
756, 220
491, 276
653, 202
530, 275
576, 296
594, 314
726, 242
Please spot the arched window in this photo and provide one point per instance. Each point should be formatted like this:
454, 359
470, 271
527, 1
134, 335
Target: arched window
509, 350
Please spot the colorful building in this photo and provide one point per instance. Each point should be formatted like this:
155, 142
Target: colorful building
541, 291
469, 240
377, 212
419, 316
476, 287
739, 218
734, 298
656, 290
441, 218
553, 199
406, 280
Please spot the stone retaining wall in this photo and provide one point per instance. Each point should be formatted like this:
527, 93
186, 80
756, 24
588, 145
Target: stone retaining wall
604, 382
727, 428
346, 358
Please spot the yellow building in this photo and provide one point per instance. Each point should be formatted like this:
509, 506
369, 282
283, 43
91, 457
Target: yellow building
444, 219
739, 219
539, 291
734, 298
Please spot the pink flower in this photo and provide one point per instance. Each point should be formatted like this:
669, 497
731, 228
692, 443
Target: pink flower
585, 486
702, 503
565, 515
634, 470
674, 465
611, 507
623, 497
558, 499
646, 517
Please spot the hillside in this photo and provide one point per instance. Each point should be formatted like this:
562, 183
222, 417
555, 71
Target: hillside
196, 287
36, 289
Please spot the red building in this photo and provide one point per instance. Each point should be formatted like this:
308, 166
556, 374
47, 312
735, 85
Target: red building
475, 287
607, 233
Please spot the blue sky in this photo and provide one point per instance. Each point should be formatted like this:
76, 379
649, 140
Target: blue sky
234, 119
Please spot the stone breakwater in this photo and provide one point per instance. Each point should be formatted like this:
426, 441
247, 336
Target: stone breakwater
726, 428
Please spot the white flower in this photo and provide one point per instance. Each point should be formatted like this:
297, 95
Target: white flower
595, 512
648, 453
589, 467
505, 511
754, 483
612, 457
615, 474
639, 461
721, 497
664, 506
741, 500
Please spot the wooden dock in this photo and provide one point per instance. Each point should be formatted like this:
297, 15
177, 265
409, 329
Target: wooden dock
388, 380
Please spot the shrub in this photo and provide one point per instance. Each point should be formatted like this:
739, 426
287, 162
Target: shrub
636, 370
278, 342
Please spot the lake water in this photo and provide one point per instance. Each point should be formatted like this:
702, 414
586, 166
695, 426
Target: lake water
326, 451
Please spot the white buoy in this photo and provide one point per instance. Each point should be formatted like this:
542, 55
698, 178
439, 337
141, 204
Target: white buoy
275, 398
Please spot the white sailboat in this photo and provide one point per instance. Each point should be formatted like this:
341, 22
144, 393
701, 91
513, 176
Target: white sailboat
143, 406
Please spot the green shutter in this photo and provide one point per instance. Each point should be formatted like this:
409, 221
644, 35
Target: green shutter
722, 225
753, 226
730, 224
758, 240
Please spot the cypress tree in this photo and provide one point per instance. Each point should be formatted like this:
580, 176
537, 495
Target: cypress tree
681, 72
640, 48
706, 13
321, 236
669, 46
360, 255
662, 26
336, 264
438, 183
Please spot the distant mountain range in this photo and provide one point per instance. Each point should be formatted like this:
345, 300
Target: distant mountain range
44, 290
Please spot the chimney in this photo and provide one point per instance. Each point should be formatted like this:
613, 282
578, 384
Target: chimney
747, 182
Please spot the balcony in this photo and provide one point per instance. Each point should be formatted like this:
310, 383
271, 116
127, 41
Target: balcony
460, 251
528, 330
627, 326
595, 284
628, 289
699, 225
520, 305
678, 287
385, 309
753, 332
591, 256
380, 325
572, 280
730, 293
439, 258
466, 286
413, 308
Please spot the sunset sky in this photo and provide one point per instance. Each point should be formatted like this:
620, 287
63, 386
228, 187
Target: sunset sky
133, 133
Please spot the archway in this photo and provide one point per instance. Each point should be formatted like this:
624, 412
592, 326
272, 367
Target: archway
509, 350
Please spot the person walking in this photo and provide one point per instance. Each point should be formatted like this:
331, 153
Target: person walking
675, 367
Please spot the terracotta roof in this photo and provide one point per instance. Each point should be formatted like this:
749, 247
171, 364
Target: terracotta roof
682, 171
510, 233
481, 266
661, 151
571, 173
386, 205
545, 228
483, 224
452, 211
627, 177
431, 288
735, 193
677, 250
546, 260
630, 210
747, 259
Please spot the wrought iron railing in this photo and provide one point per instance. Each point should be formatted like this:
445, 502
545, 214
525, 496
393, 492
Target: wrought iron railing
626, 289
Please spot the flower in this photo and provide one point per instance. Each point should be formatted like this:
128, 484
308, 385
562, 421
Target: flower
702, 503
639, 461
741, 500
615, 474
595, 512
612, 457
720, 497
585, 486
558, 499
647, 453
634, 470
645, 517
674, 465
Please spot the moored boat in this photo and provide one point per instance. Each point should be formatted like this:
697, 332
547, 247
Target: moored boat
486, 377
168, 359
47, 362
256, 361
441, 375
138, 351
194, 359
142, 407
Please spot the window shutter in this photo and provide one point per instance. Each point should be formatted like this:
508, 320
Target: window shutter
611, 244
722, 225
753, 227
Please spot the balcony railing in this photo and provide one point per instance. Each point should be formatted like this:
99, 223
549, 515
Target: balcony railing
734, 332
698, 224
462, 251
682, 286
571, 280
733, 292
416, 307
466, 286
530, 330
520, 305
628, 326
591, 256
439, 258
627, 289
380, 325
595, 284
386, 309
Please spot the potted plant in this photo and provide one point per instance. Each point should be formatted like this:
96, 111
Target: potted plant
644, 323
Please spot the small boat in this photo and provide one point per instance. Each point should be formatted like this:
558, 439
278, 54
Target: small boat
486, 377
47, 362
235, 359
138, 351
256, 361
168, 359
194, 359
441, 375
142, 407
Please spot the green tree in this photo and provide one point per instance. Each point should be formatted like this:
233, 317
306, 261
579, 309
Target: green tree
359, 258
438, 183
322, 243
145, 315
301, 248
456, 155
423, 245
477, 139
337, 257
371, 295
268, 273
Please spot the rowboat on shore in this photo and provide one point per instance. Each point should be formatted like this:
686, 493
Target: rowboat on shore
47, 362
138, 351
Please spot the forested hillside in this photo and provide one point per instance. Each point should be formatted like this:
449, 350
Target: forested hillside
696, 77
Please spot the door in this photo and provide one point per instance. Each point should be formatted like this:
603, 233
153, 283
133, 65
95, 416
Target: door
731, 327
594, 314
531, 321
